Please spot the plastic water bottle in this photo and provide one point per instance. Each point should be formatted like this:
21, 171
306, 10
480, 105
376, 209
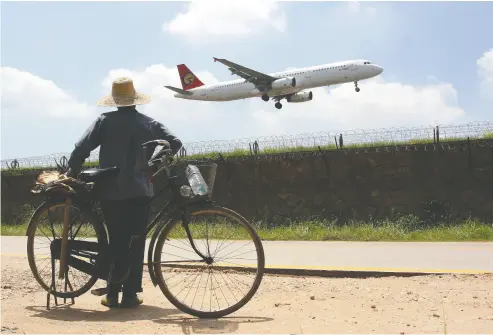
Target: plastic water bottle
198, 184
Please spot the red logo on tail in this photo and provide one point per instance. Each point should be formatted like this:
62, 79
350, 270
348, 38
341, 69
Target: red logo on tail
188, 79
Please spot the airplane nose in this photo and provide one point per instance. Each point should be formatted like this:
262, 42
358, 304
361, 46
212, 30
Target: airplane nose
377, 69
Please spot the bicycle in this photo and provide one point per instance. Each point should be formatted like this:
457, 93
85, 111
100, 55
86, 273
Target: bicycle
93, 258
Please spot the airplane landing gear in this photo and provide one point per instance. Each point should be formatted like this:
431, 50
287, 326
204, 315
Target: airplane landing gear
265, 97
278, 105
356, 88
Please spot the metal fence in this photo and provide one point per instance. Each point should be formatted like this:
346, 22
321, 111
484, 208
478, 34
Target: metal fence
384, 136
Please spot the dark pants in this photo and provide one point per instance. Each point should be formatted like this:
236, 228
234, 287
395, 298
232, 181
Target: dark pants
127, 221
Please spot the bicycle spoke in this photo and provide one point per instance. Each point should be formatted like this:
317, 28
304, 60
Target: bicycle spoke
51, 223
237, 249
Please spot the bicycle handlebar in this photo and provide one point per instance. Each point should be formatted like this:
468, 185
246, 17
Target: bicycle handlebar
161, 157
155, 143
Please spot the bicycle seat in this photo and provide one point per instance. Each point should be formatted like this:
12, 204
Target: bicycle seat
94, 175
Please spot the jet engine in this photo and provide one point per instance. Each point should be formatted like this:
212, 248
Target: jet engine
287, 82
300, 97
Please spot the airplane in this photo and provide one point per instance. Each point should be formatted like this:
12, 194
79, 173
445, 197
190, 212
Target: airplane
290, 85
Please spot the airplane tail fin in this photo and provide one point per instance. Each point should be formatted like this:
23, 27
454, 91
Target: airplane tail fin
188, 79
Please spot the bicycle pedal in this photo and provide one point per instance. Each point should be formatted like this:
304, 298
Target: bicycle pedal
100, 291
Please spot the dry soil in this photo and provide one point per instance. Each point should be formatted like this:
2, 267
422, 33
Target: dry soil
424, 304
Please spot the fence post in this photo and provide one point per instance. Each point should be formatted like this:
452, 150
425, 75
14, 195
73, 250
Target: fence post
341, 144
14, 164
183, 152
255, 148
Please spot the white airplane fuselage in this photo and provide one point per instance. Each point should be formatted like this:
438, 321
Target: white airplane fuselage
306, 78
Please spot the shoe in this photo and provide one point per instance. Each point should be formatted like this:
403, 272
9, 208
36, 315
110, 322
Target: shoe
131, 300
110, 301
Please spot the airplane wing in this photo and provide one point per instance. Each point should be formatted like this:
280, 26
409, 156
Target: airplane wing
257, 78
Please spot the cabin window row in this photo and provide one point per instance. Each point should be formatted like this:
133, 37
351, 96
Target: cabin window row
297, 73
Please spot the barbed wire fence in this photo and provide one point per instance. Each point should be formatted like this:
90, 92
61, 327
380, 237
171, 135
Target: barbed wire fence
288, 143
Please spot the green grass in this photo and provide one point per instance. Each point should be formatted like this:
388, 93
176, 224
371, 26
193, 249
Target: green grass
245, 152
13, 230
329, 147
404, 229
389, 231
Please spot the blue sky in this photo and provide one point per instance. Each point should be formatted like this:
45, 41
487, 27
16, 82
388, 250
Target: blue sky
77, 44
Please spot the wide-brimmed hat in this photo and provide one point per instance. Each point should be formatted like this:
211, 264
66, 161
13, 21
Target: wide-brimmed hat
123, 94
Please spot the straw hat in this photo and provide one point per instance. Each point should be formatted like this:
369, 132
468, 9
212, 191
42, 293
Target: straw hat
124, 94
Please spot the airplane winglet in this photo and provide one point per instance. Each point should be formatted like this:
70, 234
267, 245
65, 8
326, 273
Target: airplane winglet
215, 59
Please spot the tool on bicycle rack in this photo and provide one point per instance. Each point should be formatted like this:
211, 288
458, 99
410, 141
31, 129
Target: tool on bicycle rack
66, 222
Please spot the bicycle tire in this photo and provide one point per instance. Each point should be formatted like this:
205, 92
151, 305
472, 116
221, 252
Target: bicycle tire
259, 274
100, 235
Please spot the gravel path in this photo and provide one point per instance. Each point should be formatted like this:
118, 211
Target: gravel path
282, 305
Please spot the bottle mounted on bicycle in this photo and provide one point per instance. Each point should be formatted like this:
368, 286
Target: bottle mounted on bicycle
197, 182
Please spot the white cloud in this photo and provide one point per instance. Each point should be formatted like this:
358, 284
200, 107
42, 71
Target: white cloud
38, 116
379, 104
25, 94
220, 20
485, 71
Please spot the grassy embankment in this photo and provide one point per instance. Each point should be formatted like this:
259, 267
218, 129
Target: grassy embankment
406, 228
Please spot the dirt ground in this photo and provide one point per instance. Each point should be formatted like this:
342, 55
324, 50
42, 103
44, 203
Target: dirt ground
424, 304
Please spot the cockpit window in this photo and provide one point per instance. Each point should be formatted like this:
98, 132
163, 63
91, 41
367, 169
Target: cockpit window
367, 63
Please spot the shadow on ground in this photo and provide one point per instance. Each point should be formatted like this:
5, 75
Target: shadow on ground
224, 325
164, 316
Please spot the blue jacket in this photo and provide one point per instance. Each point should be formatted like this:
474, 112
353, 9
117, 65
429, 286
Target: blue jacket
120, 135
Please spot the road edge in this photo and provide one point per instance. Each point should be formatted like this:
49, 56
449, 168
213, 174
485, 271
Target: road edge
356, 274
361, 273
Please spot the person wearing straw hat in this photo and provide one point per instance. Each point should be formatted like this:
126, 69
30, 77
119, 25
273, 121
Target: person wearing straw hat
124, 199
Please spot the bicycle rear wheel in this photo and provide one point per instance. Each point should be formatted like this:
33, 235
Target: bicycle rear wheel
189, 273
44, 241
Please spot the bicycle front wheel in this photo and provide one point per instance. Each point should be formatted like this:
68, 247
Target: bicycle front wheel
227, 280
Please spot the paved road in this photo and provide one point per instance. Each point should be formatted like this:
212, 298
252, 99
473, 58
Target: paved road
372, 256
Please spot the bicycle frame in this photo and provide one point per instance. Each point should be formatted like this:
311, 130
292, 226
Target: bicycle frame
169, 211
